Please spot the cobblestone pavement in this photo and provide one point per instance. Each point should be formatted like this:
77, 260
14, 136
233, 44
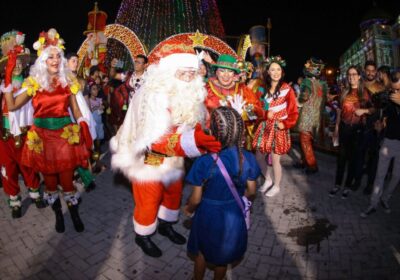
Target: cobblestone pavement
286, 239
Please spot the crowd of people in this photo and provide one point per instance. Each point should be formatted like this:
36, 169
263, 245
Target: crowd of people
160, 117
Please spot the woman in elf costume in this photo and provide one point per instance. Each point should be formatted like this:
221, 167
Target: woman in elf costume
272, 135
55, 146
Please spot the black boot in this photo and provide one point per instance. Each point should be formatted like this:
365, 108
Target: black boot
16, 212
60, 227
91, 187
76, 220
148, 246
165, 228
39, 202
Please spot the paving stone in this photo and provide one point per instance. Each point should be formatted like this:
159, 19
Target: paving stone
356, 249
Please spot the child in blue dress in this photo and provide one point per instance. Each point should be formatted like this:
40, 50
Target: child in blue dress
218, 235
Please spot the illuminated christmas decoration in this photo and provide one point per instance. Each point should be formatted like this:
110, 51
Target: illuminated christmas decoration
155, 20
189, 41
96, 40
198, 39
121, 34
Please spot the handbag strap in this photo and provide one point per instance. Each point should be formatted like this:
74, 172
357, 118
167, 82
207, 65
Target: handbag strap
229, 182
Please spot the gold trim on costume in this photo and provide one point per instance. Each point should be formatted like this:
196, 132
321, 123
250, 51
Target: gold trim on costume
172, 141
219, 95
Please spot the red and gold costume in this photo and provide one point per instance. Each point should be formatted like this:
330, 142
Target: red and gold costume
54, 143
219, 96
13, 125
268, 137
312, 97
11, 153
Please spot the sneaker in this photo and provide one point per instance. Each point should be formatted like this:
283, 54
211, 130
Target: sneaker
273, 191
345, 193
334, 191
385, 206
266, 186
370, 210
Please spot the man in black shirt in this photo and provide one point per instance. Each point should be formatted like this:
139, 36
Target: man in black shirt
390, 149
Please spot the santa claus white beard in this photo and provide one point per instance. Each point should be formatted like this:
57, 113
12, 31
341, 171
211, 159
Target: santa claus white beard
187, 102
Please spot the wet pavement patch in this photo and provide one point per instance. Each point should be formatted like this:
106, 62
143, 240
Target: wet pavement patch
313, 234
292, 209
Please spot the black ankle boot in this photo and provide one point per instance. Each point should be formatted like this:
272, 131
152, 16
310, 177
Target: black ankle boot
60, 227
16, 212
166, 229
76, 219
148, 246
39, 202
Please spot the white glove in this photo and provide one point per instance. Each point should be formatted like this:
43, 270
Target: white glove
237, 103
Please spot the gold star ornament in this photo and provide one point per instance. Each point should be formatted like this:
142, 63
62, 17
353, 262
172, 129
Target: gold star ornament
198, 39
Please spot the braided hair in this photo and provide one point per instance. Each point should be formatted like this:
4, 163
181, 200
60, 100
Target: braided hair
228, 127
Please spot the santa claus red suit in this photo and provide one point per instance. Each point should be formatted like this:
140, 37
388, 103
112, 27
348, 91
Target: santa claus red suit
162, 126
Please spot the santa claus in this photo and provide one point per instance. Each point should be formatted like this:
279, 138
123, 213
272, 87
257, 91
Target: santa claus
162, 126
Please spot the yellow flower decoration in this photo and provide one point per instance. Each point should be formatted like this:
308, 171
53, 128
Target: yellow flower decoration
71, 133
42, 40
34, 142
31, 86
75, 87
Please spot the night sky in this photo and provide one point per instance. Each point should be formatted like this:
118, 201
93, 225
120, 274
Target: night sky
300, 29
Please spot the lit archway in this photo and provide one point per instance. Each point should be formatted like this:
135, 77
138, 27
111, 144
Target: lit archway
190, 41
122, 34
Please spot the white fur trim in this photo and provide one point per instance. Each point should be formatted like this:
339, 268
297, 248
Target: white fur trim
168, 215
15, 200
188, 144
179, 60
146, 121
7, 89
144, 230
82, 119
282, 93
34, 195
149, 117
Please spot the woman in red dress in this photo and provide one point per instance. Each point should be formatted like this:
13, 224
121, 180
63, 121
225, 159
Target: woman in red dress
272, 135
55, 145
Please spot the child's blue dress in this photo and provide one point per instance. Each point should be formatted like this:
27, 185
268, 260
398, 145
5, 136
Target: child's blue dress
218, 227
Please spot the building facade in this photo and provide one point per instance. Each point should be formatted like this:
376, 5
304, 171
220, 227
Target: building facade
379, 41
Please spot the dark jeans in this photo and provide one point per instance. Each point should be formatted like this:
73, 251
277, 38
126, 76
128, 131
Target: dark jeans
368, 153
349, 141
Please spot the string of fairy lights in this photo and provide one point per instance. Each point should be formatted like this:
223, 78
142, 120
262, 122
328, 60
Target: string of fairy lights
155, 20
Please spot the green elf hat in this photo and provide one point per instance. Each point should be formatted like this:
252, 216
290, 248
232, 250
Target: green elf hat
228, 62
